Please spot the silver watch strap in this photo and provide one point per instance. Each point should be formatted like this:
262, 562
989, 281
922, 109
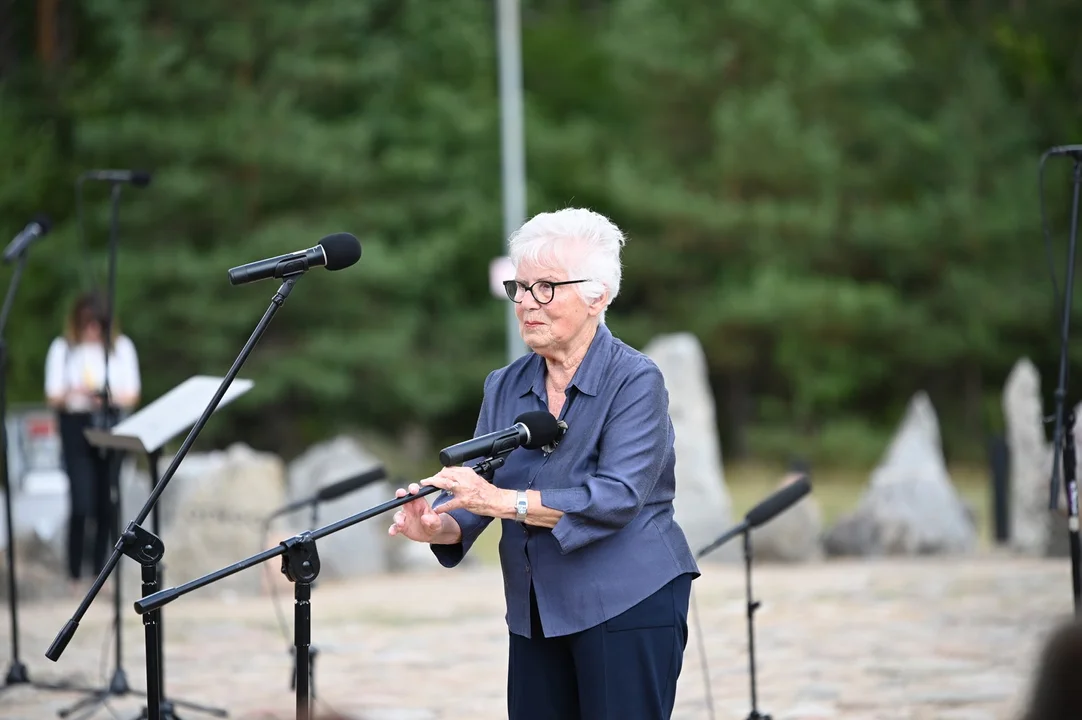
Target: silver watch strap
521, 506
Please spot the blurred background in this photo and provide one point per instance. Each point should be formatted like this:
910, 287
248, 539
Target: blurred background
836, 201
839, 199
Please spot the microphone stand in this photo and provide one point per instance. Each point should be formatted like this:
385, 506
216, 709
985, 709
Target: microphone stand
1064, 440
327, 493
764, 512
301, 565
119, 684
775, 504
17, 673
751, 606
146, 548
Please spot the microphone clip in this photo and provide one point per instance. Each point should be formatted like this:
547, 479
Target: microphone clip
561, 430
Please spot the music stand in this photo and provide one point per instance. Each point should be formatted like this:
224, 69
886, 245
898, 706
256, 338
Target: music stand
146, 432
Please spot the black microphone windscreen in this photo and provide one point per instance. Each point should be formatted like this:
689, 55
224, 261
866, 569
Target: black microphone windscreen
542, 426
140, 178
777, 503
341, 249
1073, 150
342, 487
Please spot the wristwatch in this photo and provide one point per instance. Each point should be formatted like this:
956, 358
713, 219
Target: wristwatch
521, 506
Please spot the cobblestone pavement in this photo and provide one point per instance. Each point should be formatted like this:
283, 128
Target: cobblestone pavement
885, 640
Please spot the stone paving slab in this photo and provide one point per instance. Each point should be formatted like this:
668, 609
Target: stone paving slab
900, 639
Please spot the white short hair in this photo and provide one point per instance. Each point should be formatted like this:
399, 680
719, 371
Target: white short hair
583, 243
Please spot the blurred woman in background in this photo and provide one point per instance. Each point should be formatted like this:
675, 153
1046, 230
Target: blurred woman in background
75, 386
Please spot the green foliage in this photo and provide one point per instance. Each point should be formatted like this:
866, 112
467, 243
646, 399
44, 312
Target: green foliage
844, 443
838, 198
269, 127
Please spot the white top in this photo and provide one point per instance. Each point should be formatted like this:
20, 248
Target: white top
82, 367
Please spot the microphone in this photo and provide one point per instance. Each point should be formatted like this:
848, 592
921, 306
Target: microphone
37, 228
764, 512
777, 503
335, 252
138, 178
1074, 151
531, 430
334, 491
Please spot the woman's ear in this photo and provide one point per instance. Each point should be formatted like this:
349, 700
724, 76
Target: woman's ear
597, 306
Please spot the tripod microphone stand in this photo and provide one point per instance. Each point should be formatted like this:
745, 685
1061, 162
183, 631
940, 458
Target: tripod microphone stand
17, 673
1063, 443
301, 565
759, 515
109, 415
143, 546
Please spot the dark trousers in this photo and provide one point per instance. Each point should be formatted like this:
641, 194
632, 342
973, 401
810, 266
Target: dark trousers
92, 473
623, 669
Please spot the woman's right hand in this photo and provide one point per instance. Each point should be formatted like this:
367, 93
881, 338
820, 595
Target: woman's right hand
77, 398
416, 519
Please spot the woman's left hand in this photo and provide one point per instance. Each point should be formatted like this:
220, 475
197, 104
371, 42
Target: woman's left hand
469, 491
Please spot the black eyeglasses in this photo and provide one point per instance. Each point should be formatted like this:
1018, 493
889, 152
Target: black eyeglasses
543, 290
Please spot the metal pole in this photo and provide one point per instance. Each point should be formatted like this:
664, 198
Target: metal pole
512, 143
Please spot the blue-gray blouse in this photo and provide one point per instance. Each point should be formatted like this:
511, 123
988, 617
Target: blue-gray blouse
613, 477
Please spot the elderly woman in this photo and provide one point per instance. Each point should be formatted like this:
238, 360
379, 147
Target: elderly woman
597, 574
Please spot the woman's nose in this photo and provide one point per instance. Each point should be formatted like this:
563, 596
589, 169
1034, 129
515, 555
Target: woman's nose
529, 302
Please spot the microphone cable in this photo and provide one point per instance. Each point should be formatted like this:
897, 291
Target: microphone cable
702, 655
272, 585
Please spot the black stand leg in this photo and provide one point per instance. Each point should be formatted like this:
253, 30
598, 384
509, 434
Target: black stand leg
752, 606
1063, 438
313, 651
159, 571
17, 673
131, 543
300, 563
148, 549
154, 625
119, 684
302, 628
151, 638
1071, 485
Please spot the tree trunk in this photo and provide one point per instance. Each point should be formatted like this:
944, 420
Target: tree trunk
9, 52
736, 414
47, 32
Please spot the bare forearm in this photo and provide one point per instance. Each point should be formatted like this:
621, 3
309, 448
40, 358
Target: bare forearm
126, 401
536, 514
